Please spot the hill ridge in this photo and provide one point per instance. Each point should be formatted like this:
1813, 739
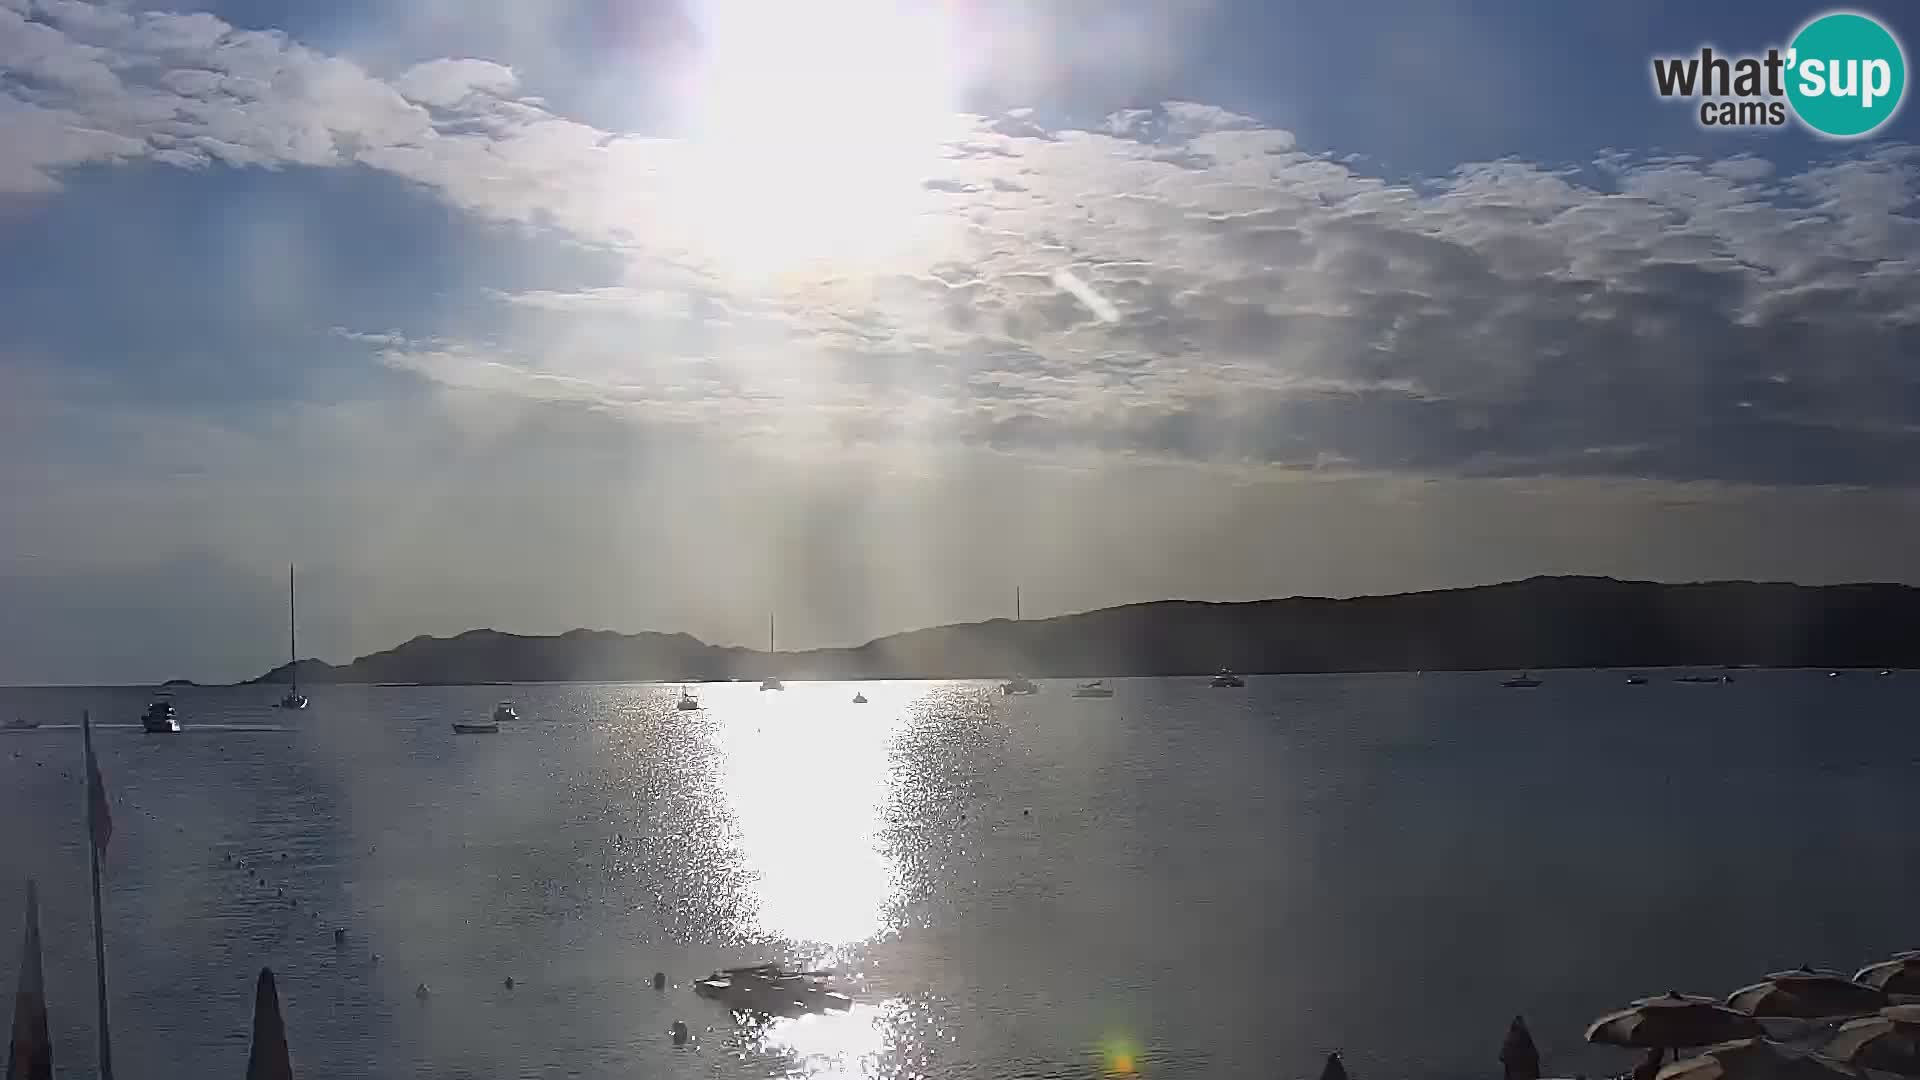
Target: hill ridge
1540, 622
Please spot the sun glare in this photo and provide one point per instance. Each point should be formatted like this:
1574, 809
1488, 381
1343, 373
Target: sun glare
806, 777
810, 131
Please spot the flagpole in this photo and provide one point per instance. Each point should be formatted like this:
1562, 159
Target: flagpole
99, 941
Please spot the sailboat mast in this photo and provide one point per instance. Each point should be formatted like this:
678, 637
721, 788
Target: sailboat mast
1016, 603
293, 652
769, 634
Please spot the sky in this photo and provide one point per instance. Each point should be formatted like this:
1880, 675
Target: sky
666, 314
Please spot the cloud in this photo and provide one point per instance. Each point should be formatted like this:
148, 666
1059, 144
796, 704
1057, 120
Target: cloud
447, 83
1179, 281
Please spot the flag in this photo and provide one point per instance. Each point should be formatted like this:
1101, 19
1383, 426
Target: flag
99, 815
268, 1059
30, 1053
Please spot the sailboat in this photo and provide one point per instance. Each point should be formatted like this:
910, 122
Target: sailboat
293, 699
1019, 684
771, 682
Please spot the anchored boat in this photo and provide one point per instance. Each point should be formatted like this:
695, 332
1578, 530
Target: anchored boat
772, 990
293, 699
160, 718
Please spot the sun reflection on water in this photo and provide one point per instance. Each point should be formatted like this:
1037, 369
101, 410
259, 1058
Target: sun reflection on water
805, 773
885, 1041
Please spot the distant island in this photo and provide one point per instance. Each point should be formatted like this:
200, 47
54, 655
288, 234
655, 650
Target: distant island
1539, 623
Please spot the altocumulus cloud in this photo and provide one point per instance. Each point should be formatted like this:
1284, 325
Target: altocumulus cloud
1177, 282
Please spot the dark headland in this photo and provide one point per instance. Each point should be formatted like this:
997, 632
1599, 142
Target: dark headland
1539, 623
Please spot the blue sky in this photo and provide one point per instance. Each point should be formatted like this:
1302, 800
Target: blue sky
658, 314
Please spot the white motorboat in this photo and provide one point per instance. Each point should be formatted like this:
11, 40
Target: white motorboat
688, 703
1227, 678
503, 714
161, 718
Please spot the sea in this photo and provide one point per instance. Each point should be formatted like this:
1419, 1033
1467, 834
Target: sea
1177, 881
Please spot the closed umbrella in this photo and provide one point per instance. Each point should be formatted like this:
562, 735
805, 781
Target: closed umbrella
1671, 1021
1900, 975
30, 1051
1808, 995
1758, 1059
268, 1059
1888, 1040
1519, 1058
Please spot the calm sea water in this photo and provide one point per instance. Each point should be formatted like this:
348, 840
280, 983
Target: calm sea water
1190, 881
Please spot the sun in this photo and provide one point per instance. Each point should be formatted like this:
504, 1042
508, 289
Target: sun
810, 129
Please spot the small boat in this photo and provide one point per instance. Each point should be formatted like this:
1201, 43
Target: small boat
503, 714
1833, 674
1524, 679
771, 990
1095, 689
688, 703
20, 723
1227, 679
1704, 679
771, 682
859, 698
1885, 674
160, 718
486, 727
1019, 684
1636, 680
293, 698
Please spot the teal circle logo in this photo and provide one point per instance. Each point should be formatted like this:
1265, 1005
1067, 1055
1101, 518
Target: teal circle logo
1846, 75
